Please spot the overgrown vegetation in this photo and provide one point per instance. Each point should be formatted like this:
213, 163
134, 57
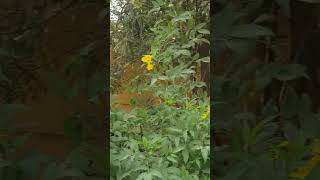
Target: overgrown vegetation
259, 136
19, 74
168, 139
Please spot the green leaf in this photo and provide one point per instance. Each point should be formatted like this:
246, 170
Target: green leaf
161, 2
185, 155
199, 26
185, 136
154, 80
205, 60
142, 176
204, 31
124, 157
182, 17
144, 168
172, 159
178, 149
148, 177
188, 45
155, 4
200, 40
250, 31
225, 19
204, 153
174, 170
198, 163
182, 52
188, 71
289, 72
163, 78
262, 123
264, 18
124, 175
156, 173
156, 9
195, 57
243, 48
174, 130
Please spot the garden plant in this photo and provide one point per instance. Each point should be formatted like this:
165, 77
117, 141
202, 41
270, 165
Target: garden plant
260, 131
167, 138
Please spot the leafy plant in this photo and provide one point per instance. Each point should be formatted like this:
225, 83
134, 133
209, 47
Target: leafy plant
169, 140
257, 135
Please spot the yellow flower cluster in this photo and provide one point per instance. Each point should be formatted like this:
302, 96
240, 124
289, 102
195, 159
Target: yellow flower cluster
304, 170
147, 59
206, 114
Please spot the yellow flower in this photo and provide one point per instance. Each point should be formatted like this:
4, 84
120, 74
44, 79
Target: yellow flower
305, 170
205, 115
146, 59
150, 66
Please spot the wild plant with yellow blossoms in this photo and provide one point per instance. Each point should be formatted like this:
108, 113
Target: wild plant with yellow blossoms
147, 59
303, 171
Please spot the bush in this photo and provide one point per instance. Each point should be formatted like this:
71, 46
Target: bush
169, 140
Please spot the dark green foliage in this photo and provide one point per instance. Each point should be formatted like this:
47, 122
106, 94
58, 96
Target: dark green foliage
19, 69
248, 124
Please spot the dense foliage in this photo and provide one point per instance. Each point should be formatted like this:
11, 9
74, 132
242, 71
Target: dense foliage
169, 139
259, 136
19, 80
